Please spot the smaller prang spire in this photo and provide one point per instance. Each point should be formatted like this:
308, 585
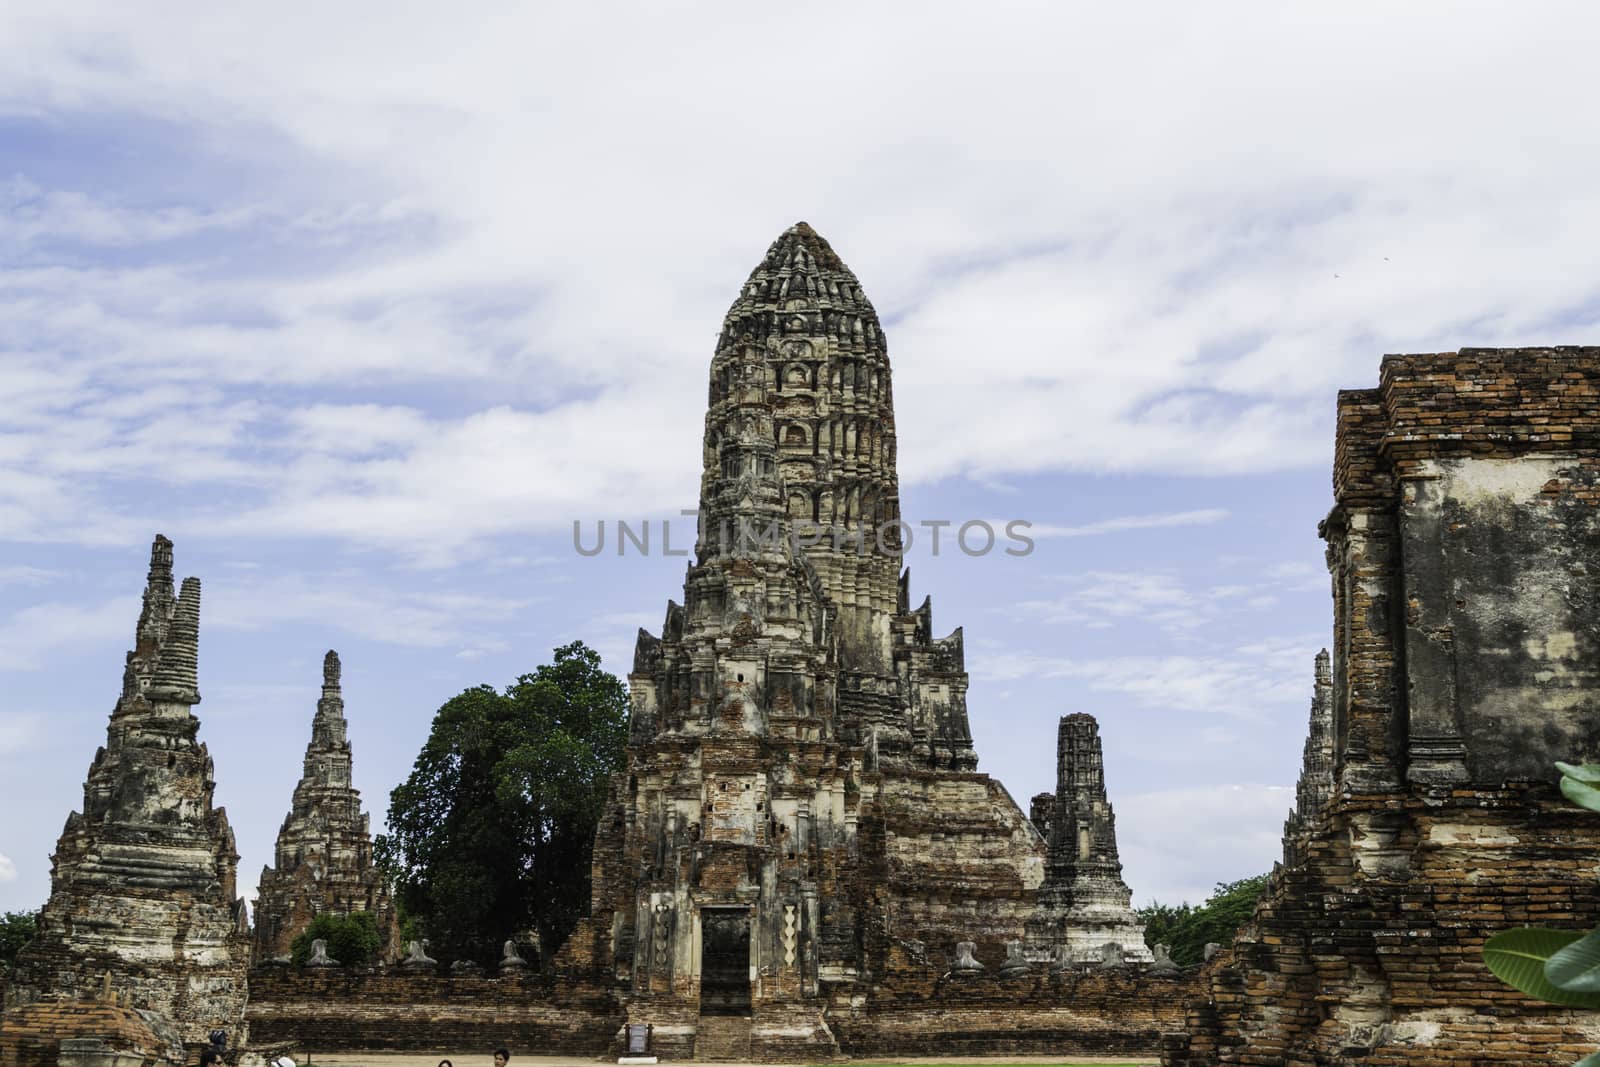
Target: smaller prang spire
1083, 902
323, 859
1314, 790
176, 679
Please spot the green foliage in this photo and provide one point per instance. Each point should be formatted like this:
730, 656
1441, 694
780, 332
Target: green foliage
1576, 968
352, 939
492, 834
17, 928
1518, 958
1556, 966
1187, 929
1581, 784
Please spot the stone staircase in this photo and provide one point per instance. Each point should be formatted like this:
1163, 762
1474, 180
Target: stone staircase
723, 1039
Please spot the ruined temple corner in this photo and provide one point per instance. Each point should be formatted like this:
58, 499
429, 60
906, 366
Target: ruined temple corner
1463, 556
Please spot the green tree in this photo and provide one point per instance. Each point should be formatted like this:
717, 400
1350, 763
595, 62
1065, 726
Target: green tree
17, 928
1188, 929
492, 833
352, 939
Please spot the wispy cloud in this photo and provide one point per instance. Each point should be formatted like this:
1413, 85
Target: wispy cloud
1171, 836
33, 636
17, 732
373, 344
1248, 683
1200, 517
8, 869
359, 605
20, 575
1100, 599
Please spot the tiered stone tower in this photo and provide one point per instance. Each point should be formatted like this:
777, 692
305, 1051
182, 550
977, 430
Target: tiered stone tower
142, 885
1084, 904
801, 809
1315, 788
323, 863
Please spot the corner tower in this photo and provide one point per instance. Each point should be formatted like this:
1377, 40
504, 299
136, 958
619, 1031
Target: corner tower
142, 882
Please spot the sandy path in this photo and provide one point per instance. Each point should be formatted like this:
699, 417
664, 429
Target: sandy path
485, 1059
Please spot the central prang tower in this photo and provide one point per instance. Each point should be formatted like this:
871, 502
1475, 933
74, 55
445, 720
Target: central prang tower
801, 813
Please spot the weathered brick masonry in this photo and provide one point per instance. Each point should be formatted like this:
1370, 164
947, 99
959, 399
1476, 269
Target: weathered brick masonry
333, 1010
1465, 557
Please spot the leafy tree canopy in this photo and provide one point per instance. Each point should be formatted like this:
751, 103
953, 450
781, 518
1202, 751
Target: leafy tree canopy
17, 928
1187, 929
492, 833
352, 939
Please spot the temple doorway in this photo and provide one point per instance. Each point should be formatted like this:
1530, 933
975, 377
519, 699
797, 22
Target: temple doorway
725, 961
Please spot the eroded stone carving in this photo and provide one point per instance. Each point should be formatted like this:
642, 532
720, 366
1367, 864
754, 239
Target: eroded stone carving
1016, 964
511, 962
966, 962
1164, 963
417, 958
319, 955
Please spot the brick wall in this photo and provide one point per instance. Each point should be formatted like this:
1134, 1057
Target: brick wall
1115, 1012
342, 1012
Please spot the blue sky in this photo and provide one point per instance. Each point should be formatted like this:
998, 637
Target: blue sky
364, 306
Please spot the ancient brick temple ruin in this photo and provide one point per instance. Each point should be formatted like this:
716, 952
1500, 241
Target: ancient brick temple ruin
142, 909
1084, 905
323, 861
801, 857
1464, 546
802, 822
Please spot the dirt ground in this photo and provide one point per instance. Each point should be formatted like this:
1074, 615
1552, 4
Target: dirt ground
479, 1058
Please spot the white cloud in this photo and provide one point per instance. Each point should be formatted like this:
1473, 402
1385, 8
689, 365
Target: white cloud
8, 869
1247, 683
535, 246
1098, 598
23, 575
393, 614
1168, 837
33, 636
17, 732
1117, 524
1169, 601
